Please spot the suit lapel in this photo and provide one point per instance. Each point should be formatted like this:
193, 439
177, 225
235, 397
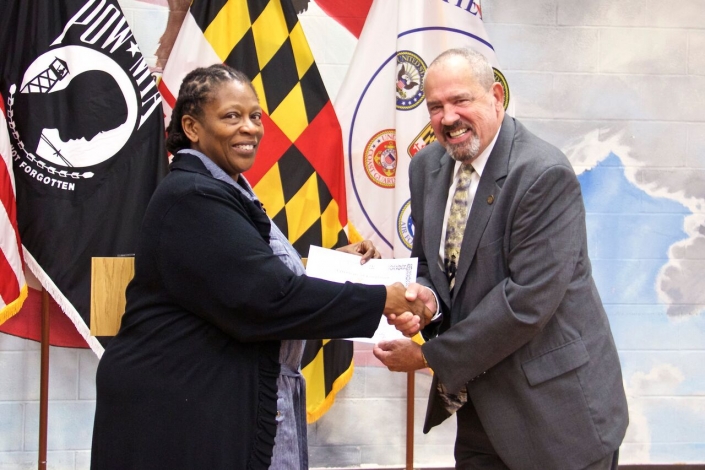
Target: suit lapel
437, 185
485, 197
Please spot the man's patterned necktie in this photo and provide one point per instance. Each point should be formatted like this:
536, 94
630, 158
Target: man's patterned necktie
457, 219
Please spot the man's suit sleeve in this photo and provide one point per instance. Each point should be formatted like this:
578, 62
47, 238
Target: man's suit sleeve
422, 271
544, 244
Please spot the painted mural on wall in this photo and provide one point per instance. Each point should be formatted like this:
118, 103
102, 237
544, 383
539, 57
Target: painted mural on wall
645, 231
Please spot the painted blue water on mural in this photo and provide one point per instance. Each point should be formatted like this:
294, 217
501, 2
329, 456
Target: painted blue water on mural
629, 234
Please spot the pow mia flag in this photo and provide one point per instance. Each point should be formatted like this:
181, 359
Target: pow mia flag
86, 128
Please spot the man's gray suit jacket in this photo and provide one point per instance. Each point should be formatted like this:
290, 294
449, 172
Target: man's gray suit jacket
524, 327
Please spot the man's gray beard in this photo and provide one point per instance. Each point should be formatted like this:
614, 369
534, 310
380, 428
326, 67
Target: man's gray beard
465, 152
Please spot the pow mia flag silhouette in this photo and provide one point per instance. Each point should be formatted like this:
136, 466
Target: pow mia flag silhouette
86, 128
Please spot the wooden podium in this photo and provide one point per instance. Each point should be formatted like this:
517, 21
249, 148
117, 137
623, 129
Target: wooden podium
109, 279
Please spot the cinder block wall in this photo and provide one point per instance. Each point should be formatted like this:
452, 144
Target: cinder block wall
596, 77
71, 405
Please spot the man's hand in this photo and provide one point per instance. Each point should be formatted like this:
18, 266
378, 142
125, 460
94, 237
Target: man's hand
409, 317
400, 355
424, 294
364, 248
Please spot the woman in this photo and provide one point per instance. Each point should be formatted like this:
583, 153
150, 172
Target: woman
204, 372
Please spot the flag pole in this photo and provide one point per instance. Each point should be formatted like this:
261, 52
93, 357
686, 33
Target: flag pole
44, 383
410, 420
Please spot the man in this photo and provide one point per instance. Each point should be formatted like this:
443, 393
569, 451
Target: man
523, 352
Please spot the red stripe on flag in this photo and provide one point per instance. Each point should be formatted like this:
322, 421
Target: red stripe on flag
7, 195
9, 287
166, 94
351, 15
9, 283
27, 323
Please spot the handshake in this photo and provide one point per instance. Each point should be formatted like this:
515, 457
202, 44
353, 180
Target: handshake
409, 309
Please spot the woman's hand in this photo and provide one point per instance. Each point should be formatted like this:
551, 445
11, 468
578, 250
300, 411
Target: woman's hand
364, 248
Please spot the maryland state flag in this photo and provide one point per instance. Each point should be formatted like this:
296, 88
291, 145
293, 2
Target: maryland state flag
86, 131
298, 174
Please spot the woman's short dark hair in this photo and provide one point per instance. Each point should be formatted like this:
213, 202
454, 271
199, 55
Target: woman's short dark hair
196, 91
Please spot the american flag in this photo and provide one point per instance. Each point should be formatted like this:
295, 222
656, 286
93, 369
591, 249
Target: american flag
13, 287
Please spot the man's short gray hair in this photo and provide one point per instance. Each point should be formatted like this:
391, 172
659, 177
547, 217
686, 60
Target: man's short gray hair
479, 65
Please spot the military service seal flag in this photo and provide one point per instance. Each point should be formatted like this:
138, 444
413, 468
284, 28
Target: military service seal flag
86, 130
382, 109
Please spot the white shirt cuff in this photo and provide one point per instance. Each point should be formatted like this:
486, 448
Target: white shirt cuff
436, 316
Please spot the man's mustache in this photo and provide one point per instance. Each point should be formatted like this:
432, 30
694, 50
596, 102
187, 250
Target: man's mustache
457, 125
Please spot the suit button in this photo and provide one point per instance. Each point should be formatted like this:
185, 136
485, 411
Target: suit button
490, 199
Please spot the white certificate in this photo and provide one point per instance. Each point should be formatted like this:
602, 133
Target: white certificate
337, 266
